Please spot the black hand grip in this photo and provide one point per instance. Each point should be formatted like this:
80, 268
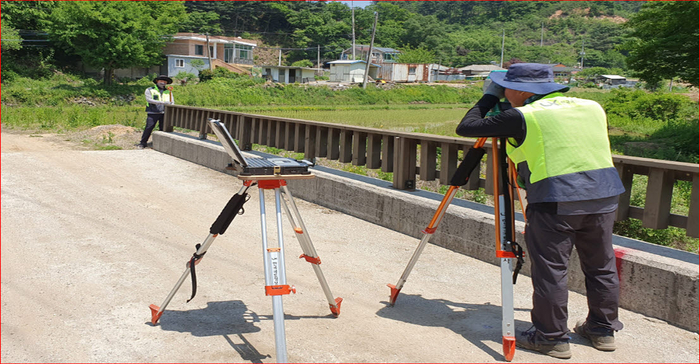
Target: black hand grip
233, 207
465, 169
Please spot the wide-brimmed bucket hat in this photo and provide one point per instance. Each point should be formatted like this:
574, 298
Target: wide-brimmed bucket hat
164, 78
529, 77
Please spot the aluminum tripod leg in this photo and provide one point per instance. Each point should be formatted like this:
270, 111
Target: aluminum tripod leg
504, 229
395, 289
232, 208
308, 248
507, 296
156, 311
275, 275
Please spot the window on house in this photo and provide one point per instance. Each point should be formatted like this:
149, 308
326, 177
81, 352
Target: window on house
179, 63
198, 50
211, 51
228, 53
411, 70
244, 52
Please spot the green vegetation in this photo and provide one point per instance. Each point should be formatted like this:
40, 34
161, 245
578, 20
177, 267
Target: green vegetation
114, 34
455, 33
664, 41
652, 125
61, 119
43, 92
656, 125
458, 33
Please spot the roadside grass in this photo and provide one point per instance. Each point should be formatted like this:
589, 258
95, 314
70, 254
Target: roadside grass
61, 119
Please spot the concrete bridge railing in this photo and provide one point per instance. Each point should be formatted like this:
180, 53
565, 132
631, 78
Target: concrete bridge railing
656, 281
397, 152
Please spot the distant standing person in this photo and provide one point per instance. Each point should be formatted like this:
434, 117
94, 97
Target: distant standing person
156, 99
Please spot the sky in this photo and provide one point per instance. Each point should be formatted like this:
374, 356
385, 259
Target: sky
358, 4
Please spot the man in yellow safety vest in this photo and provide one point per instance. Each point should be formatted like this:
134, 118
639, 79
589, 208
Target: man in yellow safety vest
561, 148
156, 99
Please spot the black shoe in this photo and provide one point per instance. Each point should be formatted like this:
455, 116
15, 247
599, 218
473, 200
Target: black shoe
602, 339
557, 349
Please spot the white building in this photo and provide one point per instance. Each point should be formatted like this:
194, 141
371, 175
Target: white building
288, 74
351, 71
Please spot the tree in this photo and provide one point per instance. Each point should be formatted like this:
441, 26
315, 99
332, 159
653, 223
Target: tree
115, 34
10, 38
416, 55
198, 64
202, 22
664, 42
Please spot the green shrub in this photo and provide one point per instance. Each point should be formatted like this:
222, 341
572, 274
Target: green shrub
223, 72
8, 76
182, 75
147, 81
303, 63
205, 75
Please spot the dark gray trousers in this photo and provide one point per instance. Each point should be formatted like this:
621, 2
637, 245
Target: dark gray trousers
550, 239
151, 121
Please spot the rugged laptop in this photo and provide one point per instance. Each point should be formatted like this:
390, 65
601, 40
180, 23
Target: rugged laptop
253, 166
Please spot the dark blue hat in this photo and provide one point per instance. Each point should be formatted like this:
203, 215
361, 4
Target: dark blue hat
529, 77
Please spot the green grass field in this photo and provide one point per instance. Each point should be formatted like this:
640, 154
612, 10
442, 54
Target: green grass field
437, 119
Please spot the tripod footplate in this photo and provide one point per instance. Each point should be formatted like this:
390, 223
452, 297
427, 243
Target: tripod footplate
394, 293
508, 347
335, 310
155, 315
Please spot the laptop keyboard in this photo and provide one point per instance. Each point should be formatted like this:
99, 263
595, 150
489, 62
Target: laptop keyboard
259, 163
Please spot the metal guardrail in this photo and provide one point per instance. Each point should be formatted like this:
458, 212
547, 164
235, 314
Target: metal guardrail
397, 152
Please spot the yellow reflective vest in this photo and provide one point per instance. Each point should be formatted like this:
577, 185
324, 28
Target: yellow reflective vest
158, 96
566, 151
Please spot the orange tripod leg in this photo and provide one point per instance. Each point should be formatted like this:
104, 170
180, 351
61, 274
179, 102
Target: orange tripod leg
395, 289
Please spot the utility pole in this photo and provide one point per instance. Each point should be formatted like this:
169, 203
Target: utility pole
279, 59
542, 36
369, 55
318, 57
503, 45
211, 66
353, 30
582, 53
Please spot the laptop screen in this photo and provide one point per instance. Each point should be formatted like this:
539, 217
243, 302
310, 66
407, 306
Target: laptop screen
227, 141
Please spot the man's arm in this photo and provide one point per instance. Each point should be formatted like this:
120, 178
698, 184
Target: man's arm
507, 124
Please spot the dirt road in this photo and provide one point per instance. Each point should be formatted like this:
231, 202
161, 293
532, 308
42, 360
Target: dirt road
91, 238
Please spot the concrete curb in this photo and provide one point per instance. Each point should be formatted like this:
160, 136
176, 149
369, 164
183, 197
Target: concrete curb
655, 280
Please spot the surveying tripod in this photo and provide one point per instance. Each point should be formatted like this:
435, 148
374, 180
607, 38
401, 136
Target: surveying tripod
510, 253
273, 257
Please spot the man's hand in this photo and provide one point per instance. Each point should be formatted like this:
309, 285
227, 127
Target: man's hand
495, 90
